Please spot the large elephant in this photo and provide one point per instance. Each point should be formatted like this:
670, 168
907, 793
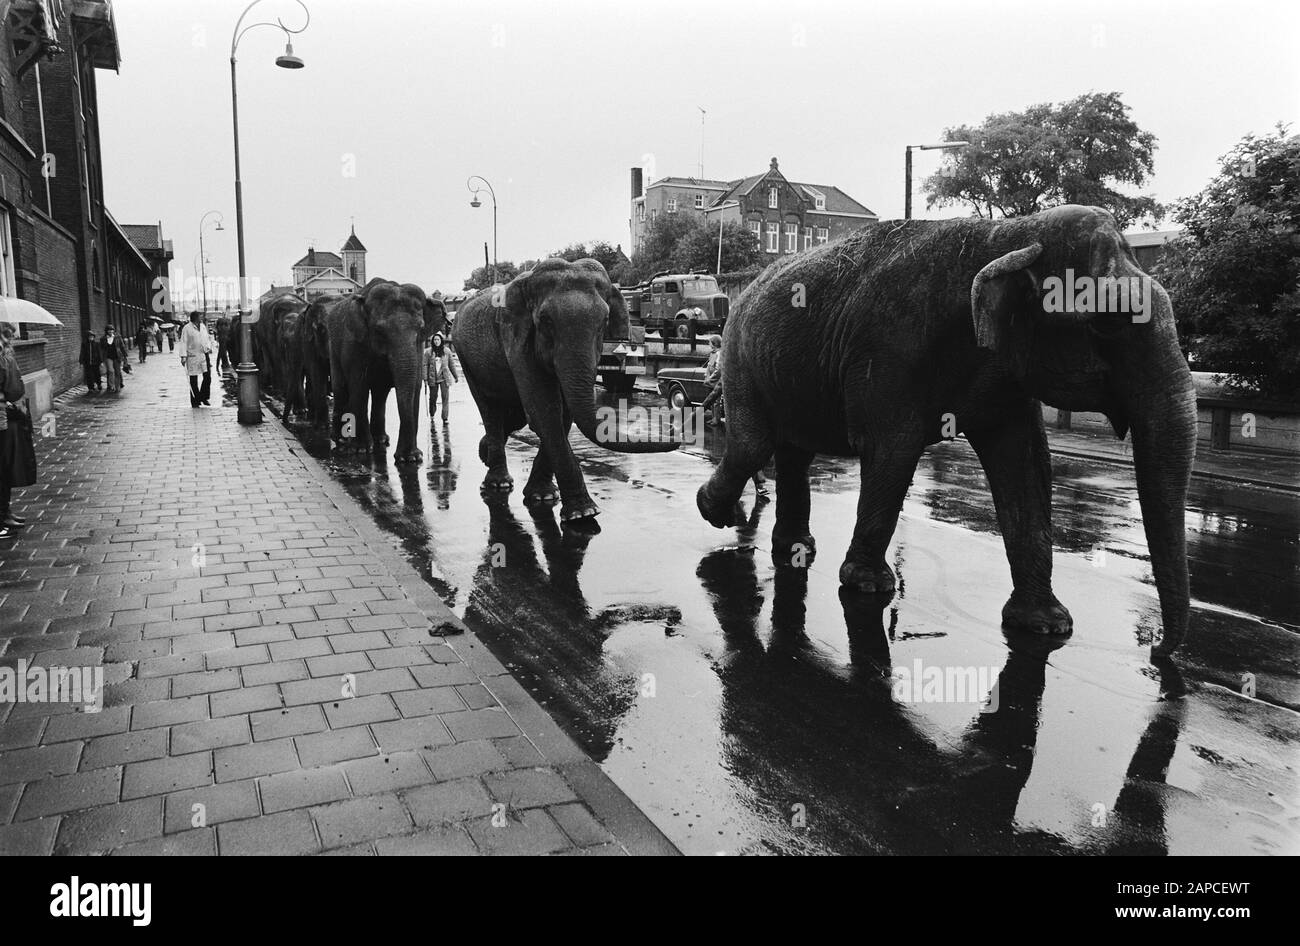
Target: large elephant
376, 339
290, 312
529, 351
314, 352
265, 334
905, 333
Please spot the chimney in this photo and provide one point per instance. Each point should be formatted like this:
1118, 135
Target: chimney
637, 189
311, 256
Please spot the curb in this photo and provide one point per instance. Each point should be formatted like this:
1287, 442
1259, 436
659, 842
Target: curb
631, 828
1203, 474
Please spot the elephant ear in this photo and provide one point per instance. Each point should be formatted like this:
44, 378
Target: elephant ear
998, 292
435, 317
619, 320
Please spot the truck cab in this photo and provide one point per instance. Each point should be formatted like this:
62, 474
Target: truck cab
683, 305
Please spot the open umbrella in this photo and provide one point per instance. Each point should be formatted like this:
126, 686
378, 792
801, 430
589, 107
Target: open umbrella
20, 310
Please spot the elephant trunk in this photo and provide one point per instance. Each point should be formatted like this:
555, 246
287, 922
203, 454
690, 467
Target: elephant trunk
1163, 418
578, 384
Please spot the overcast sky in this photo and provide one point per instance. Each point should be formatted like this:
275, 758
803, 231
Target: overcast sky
554, 101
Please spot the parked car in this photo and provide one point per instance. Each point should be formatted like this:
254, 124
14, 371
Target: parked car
682, 387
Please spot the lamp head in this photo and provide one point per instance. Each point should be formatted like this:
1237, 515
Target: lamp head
289, 60
476, 202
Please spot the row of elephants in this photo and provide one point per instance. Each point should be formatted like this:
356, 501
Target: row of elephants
875, 346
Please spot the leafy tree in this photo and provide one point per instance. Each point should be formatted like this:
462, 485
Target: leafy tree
602, 251
686, 243
481, 278
1234, 276
1077, 152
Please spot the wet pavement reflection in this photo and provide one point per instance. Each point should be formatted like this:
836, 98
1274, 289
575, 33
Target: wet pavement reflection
750, 708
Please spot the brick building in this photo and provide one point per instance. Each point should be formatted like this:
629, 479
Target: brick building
784, 216
62, 249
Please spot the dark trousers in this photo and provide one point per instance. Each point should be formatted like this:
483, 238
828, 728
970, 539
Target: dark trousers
433, 398
5, 492
200, 393
92, 377
223, 359
144, 350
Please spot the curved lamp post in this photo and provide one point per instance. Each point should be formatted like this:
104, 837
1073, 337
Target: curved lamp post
203, 257
475, 202
939, 146
250, 406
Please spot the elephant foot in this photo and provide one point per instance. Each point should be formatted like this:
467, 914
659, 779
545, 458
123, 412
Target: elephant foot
870, 578
498, 481
572, 513
797, 550
719, 515
350, 445
535, 495
1037, 614
414, 456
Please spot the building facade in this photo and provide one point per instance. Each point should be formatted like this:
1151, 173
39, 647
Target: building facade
784, 216
320, 272
61, 247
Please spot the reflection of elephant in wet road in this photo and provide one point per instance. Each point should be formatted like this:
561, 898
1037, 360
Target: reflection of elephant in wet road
529, 352
787, 709
376, 339
914, 331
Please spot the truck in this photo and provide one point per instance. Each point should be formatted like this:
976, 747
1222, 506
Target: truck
678, 305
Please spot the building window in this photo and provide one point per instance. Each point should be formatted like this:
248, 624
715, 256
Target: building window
807, 238
94, 265
774, 238
8, 283
672, 205
821, 201
823, 234
653, 214
640, 212
791, 237
756, 228
772, 200
699, 201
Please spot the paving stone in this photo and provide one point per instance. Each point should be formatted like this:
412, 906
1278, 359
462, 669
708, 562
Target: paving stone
287, 721
580, 825
529, 788
441, 841
386, 773
302, 788
160, 776
286, 833
476, 757
66, 793
207, 734
210, 805
237, 657
169, 712
248, 700
28, 838
519, 752
38, 762
20, 733
277, 672
259, 758
442, 675
335, 746
336, 665
362, 709
362, 819
487, 723
188, 684
525, 833
121, 748
100, 829
418, 733
199, 842
457, 800
203, 643
476, 696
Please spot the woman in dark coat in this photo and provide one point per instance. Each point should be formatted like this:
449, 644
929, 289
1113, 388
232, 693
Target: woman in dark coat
12, 390
91, 359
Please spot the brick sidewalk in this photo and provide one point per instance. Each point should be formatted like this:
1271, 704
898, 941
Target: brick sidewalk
224, 726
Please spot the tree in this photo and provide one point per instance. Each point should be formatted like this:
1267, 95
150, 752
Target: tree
686, 243
481, 278
1234, 276
1019, 163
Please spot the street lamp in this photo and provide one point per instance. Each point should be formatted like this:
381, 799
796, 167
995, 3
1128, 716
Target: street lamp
250, 406
475, 202
203, 257
938, 146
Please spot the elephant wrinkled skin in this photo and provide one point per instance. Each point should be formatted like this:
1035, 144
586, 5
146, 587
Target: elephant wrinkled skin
376, 344
913, 331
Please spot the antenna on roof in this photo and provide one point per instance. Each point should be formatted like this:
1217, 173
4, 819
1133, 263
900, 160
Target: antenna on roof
702, 113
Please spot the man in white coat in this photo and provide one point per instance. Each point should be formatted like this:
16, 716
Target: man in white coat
196, 345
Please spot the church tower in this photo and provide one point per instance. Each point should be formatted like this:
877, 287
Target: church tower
354, 258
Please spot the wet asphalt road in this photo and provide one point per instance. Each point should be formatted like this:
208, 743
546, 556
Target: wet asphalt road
748, 708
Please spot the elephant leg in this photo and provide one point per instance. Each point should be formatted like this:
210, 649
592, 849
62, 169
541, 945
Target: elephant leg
356, 412
793, 502
886, 474
378, 411
540, 487
408, 414
492, 447
1019, 470
749, 447
552, 429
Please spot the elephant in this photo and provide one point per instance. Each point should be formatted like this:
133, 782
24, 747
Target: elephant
906, 333
314, 353
528, 351
265, 331
290, 312
376, 344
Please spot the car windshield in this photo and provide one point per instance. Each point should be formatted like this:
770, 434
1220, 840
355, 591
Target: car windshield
700, 287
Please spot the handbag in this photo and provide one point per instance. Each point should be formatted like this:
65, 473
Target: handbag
20, 452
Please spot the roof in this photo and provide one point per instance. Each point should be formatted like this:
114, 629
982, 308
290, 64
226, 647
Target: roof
276, 291
324, 260
1152, 237
691, 182
331, 273
836, 200
354, 244
145, 236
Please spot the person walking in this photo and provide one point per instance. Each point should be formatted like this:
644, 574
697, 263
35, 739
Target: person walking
91, 359
441, 371
113, 349
142, 341
17, 458
170, 331
196, 344
223, 343
156, 328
